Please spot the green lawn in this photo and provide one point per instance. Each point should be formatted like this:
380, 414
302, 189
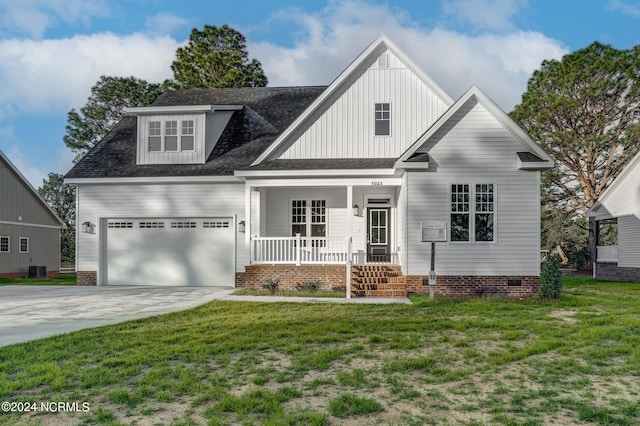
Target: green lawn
473, 362
63, 279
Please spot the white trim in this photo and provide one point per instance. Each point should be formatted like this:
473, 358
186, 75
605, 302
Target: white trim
369, 182
635, 162
495, 111
32, 225
156, 179
308, 223
381, 43
8, 244
20, 244
34, 192
315, 172
150, 110
472, 213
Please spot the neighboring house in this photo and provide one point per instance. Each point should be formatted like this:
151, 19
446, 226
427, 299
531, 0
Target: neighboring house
213, 186
29, 229
615, 221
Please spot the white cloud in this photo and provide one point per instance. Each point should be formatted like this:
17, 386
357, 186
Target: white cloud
25, 165
484, 14
52, 75
164, 23
500, 63
34, 17
626, 7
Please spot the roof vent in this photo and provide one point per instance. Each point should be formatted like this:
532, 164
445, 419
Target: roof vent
383, 60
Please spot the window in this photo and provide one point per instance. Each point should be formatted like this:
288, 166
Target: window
459, 212
187, 136
482, 210
181, 224
24, 244
302, 210
171, 135
151, 224
120, 225
383, 120
155, 136
4, 244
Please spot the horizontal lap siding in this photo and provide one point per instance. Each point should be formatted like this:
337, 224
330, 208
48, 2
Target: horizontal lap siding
177, 200
629, 241
475, 148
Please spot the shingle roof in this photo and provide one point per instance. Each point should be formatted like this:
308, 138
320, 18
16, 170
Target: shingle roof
267, 112
325, 164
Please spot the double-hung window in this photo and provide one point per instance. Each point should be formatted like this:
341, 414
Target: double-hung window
309, 218
383, 119
4, 244
171, 135
473, 212
24, 244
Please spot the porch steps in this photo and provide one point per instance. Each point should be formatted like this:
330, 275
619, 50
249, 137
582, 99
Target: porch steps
377, 281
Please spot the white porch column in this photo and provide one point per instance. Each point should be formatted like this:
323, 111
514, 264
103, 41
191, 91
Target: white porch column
349, 239
247, 221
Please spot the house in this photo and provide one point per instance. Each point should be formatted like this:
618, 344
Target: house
234, 186
614, 220
29, 229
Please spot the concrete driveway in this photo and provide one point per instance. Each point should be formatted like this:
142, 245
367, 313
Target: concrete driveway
33, 312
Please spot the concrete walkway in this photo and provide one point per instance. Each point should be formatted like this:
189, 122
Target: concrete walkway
34, 312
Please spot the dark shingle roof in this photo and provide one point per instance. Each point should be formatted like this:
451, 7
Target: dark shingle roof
267, 112
326, 164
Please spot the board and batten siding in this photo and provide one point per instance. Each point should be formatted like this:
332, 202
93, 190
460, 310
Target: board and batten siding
18, 203
345, 128
197, 156
154, 200
474, 148
629, 240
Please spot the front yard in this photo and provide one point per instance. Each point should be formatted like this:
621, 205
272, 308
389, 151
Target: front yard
475, 362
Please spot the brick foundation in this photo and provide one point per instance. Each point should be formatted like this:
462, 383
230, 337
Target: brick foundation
466, 286
610, 271
86, 278
332, 276
239, 279
50, 274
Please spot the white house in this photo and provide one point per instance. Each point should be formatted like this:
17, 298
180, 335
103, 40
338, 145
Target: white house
619, 209
224, 186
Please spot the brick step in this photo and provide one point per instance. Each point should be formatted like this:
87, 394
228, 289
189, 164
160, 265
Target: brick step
385, 293
377, 281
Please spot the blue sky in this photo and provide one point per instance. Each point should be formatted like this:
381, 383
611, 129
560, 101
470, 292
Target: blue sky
52, 51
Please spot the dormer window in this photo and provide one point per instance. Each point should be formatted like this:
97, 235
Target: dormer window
168, 140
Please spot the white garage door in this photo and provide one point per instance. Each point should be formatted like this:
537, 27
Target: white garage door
171, 252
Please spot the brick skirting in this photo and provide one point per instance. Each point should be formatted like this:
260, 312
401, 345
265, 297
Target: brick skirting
517, 287
50, 274
610, 271
86, 278
332, 276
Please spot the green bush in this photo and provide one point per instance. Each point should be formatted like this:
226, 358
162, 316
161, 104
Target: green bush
310, 286
270, 284
551, 279
579, 257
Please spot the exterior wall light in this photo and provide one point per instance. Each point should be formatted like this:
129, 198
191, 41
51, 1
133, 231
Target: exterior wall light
356, 210
241, 226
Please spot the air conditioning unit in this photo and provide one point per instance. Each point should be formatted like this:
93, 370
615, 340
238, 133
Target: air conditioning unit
37, 272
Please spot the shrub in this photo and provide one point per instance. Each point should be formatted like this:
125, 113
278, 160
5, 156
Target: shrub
551, 279
310, 286
270, 284
579, 257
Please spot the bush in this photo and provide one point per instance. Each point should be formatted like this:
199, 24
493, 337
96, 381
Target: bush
551, 279
270, 284
579, 257
310, 286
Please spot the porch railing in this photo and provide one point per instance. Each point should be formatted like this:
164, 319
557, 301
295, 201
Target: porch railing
300, 250
607, 253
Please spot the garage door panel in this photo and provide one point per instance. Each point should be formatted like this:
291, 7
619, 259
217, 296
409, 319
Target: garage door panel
182, 252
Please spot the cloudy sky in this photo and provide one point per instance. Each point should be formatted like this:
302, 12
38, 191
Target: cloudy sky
52, 52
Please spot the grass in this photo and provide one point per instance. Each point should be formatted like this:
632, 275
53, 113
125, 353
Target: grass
63, 279
572, 361
288, 293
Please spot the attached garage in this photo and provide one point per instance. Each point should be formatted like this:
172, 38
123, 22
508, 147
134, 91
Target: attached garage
170, 251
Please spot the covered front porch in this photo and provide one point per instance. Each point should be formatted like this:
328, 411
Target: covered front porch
324, 222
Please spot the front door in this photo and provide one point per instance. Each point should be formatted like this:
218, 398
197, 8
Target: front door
378, 235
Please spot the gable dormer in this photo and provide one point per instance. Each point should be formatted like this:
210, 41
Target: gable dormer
183, 134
